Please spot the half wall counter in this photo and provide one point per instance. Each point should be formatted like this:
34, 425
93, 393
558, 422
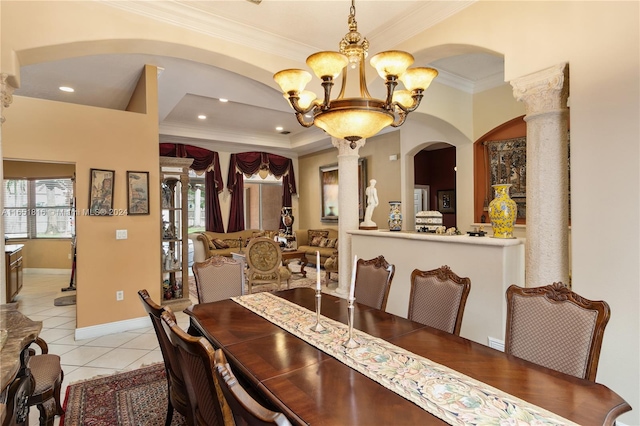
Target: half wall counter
491, 264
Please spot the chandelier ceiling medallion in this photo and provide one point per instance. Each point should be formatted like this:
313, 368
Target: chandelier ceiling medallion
354, 118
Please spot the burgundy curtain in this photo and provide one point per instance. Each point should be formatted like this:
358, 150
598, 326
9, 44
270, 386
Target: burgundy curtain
203, 160
249, 163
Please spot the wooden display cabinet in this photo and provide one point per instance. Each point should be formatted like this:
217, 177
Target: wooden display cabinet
174, 185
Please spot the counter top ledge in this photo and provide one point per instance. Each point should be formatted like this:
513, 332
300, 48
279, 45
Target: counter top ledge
455, 239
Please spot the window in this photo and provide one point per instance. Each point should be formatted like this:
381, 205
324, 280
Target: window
262, 202
196, 200
38, 208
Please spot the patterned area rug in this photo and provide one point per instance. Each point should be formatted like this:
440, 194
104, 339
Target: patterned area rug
133, 398
296, 281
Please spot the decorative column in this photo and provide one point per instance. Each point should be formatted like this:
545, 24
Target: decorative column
545, 96
347, 206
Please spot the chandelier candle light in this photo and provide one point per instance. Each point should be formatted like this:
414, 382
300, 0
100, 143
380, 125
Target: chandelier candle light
351, 343
355, 118
318, 327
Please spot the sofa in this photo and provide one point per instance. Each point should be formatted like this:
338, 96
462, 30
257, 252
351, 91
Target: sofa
207, 244
324, 240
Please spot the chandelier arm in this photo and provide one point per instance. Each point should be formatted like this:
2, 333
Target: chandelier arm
327, 84
399, 121
344, 83
293, 100
364, 92
300, 117
391, 83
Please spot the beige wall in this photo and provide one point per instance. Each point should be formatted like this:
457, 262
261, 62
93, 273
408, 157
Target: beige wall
387, 174
108, 139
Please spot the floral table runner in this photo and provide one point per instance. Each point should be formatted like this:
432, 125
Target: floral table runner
443, 392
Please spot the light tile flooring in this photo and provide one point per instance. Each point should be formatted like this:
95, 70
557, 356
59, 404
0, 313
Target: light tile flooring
83, 359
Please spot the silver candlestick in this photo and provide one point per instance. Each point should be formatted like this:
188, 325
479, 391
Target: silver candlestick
318, 327
351, 343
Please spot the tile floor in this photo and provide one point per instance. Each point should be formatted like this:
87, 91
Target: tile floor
83, 359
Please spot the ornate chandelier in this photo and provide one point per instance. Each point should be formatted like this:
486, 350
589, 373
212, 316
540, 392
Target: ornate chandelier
354, 118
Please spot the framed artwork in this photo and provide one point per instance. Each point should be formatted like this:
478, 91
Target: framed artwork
329, 191
137, 193
101, 192
447, 201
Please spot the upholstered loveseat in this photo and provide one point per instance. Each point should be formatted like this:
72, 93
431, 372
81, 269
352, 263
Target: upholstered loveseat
207, 244
323, 240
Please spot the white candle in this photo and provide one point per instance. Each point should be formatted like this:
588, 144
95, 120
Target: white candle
318, 270
353, 278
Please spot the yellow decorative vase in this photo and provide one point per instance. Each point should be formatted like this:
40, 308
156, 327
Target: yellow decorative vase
502, 212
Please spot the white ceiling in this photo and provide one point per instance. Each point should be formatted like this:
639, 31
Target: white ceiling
188, 89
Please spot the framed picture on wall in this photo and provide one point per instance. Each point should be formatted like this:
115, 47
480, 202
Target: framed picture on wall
137, 193
329, 191
447, 201
101, 192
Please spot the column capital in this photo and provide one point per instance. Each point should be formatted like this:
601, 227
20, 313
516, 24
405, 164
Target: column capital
543, 91
348, 148
6, 93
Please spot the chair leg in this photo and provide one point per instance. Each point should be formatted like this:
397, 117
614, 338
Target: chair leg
56, 394
47, 412
167, 422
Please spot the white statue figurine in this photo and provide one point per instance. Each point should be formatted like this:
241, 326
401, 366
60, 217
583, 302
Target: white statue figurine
372, 202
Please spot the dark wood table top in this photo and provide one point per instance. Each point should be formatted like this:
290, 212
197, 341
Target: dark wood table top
311, 387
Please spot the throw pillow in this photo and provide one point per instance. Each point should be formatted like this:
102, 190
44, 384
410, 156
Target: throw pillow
328, 242
315, 241
234, 243
219, 244
316, 233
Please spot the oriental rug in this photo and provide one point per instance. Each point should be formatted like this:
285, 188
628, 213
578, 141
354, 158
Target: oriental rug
133, 398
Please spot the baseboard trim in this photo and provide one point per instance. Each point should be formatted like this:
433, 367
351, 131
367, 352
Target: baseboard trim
49, 271
111, 328
496, 343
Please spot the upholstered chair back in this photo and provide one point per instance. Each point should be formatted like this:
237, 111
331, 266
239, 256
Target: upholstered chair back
218, 278
438, 298
197, 361
556, 328
264, 260
177, 391
373, 282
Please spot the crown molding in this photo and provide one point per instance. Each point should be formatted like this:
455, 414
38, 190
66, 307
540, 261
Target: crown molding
185, 16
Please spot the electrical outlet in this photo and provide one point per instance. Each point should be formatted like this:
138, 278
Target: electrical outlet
120, 295
121, 234
69, 255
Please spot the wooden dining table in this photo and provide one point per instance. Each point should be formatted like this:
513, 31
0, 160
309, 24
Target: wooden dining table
311, 387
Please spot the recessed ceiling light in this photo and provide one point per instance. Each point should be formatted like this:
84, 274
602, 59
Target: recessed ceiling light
224, 100
202, 117
279, 128
67, 89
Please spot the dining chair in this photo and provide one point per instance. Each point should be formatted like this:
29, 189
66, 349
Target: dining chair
245, 409
13, 410
437, 298
196, 356
554, 327
373, 281
264, 261
177, 391
218, 278
48, 375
